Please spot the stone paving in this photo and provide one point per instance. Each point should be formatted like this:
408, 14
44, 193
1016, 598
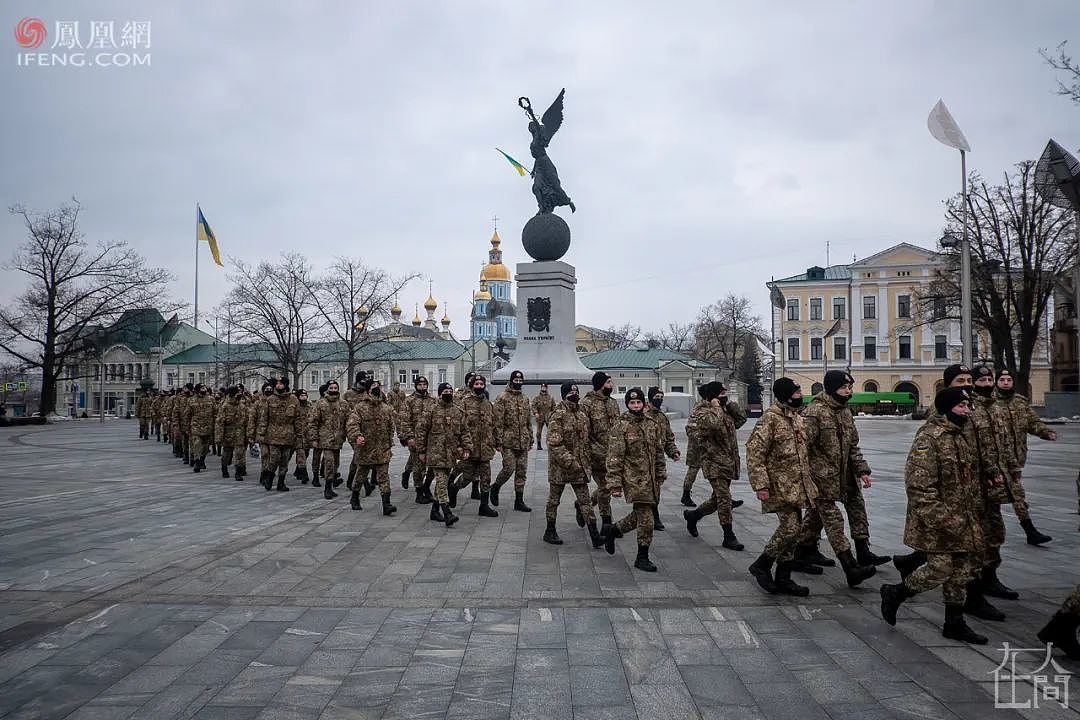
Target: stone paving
132, 588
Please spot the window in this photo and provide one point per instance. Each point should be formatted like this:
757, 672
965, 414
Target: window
869, 307
97, 372
202, 377
839, 348
325, 376
138, 372
903, 306
815, 348
402, 377
815, 308
314, 378
870, 386
839, 308
415, 374
170, 379
793, 349
793, 309
677, 388
191, 378
941, 347
939, 308
905, 347
869, 348
442, 375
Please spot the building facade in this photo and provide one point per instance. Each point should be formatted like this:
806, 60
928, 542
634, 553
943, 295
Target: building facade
494, 314
862, 318
671, 371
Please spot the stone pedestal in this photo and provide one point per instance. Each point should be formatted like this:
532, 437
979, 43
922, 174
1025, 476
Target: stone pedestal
546, 322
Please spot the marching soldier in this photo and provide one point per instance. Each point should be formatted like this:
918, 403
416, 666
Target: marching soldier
693, 455
396, 397
255, 423
279, 426
230, 431
542, 406
459, 397
601, 412
513, 438
185, 422
371, 430
442, 439
302, 442
942, 516
326, 434
201, 411
654, 411
413, 410
480, 420
568, 464
1061, 630
635, 463
316, 451
353, 396
1022, 422
143, 413
777, 462
163, 418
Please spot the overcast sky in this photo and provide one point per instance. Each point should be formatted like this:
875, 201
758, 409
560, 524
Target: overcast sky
707, 145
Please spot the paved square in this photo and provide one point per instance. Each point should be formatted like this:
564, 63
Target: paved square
132, 588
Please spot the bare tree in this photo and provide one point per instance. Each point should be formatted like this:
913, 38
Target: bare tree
623, 336
351, 298
724, 329
677, 337
71, 285
273, 305
751, 373
1061, 61
1020, 247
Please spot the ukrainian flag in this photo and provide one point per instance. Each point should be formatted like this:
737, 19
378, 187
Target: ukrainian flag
203, 233
517, 166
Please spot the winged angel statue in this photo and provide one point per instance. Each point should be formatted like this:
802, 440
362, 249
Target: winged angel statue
546, 186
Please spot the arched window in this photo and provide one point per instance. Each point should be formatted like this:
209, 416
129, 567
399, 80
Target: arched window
870, 386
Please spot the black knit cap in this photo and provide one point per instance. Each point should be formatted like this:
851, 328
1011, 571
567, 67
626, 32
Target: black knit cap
565, 388
711, 390
517, 375
284, 381
1004, 372
784, 388
653, 392
836, 379
599, 378
365, 383
949, 398
445, 386
419, 379
953, 370
634, 393
981, 371
300, 391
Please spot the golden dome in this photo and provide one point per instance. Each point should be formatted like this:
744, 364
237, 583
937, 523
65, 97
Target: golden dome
495, 270
446, 319
396, 310
482, 293
495, 241
430, 303
416, 321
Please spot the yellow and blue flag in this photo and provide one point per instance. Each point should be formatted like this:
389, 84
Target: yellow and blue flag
517, 166
203, 233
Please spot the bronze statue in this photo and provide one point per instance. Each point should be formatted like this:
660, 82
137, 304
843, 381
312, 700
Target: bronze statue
546, 186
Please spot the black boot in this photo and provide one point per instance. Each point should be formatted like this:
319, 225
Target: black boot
538, 445
956, 628
267, 479
977, 606
810, 553
195, 466
595, 536
421, 498
354, 498
579, 517
730, 541
891, 597
907, 564
328, 491
493, 493
448, 517
854, 571
475, 490
485, 508
240, 473
519, 502
296, 473
281, 486
761, 569
643, 562
995, 588
451, 491
687, 500
865, 557
656, 522
224, 470
387, 508
304, 477
337, 480
736, 504
784, 584
352, 477
611, 532
1034, 537
1061, 632
436, 513
315, 482
369, 482
405, 479
692, 517
551, 537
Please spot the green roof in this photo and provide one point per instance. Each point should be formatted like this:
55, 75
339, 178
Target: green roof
387, 350
141, 330
831, 273
639, 359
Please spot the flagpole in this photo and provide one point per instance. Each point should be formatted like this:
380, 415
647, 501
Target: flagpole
196, 266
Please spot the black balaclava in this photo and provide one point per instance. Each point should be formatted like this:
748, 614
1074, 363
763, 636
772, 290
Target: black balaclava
446, 392
543, 389
332, 393
375, 389
517, 380
598, 379
656, 402
783, 390
947, 399
1006, 394
479, 392
268, 387
834, 380
301, 394
569, 392
980, 371
634, 393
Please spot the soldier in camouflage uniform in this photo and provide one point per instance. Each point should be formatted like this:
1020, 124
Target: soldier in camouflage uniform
143, 413
654, 411
412, 413
201, 410
513, 438
279, 426
942, 516
778, 466
370, 428
1022, 422
601, 412
442, 439
230, 431
396, 398
480, 419
255, 410
326, 433
351, 397
712, 427
568, 464
542, 406
693, 458
1061, 630
302, 442
635, 465
459, 397
185, 422
316, 451
163, 416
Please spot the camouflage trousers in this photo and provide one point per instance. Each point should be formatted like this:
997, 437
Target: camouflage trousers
301, 457
264, 453
381, 473
828, 517
993, 528
1071, 606
200, 445
856, 510
581, 492
691, 476
786, 536
719, 502
952, 571
442, 476
540, 431
1015, 486
331, 460
316, 460
514, 462
144, 428
475, 470
418, 469
640, 517
276, 459
601, 496
230, 454
185, 443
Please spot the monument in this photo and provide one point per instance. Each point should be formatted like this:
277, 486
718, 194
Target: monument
546, 318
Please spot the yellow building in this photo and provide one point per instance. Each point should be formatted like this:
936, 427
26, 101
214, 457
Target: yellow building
861, 317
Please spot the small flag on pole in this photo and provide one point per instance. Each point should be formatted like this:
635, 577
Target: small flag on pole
204, 234
517, 166
944, 128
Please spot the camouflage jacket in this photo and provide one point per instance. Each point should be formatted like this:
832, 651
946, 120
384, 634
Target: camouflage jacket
255, 410
991, 443
542, 406
943, 496
305, 408
231, 423
353, 396
326, 423
568, 445
373, 418
1022, 421
412, 413
601, 412
776, 460
443, 435
717, 445
832, 444
184, 408
396, 398
635, 459
157, 407
143, 406
279, 420
201, 411
667, 438
167, 410
480, 419
512, 420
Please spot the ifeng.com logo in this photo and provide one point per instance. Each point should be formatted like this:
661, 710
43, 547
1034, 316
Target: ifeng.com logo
96, 43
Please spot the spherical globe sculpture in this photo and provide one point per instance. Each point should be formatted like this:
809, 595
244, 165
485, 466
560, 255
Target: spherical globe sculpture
546, 237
